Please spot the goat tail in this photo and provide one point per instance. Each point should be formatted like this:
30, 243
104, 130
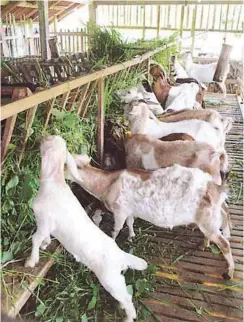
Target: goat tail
135, 262
72, 168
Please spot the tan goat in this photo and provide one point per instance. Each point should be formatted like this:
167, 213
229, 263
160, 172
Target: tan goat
146, 152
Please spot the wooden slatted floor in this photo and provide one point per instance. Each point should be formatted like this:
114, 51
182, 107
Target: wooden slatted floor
189, 284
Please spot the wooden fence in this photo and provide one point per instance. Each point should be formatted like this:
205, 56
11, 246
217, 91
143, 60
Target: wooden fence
192, 17
79, 90
16, 42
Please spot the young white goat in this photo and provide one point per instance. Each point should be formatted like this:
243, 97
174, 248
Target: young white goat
203, 73
166, 197
141, 123
139, 93
145, 152
211, 116
59, 213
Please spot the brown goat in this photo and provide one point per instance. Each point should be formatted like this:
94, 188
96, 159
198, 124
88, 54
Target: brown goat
145, 152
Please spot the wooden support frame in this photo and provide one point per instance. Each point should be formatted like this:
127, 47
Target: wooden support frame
44, 28
100, 121
7, 134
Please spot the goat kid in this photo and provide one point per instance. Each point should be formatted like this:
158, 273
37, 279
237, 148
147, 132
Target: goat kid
175, 98
139, 93
204, 73
141, 123
59, 213
148, 195
211, 116
145, 152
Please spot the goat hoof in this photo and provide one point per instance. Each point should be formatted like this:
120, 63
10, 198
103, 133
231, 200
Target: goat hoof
30, 263
226, 276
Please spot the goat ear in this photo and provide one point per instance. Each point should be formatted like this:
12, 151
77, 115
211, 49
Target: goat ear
134, 111
72, 167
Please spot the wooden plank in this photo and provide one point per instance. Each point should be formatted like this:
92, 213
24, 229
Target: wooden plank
74, 96
158, 20
50, 106
226, 21
44, 28
64, 99
40, 97
182, 19
9, 8
100, 121
21, 295
194, 15
30, 115
7, 134
82, 98
144, 22
88, 99
163, 2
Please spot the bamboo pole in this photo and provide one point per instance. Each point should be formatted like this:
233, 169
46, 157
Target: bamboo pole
233, 17
7, 135
83, 97
220, 18
144, 23
168, 20
88, 98
30, 115
194, 15
50, 106
207, 26
158, 20
226, 21
100, 121
214, 13
182, 19
239, 17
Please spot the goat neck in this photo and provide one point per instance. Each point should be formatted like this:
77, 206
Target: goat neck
97, 181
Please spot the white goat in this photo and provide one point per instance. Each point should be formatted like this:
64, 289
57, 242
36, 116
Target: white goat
145, 152
201, 131
211, 116
148, 195
139, 93
59, 213
203, 73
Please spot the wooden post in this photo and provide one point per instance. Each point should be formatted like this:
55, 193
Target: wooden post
193, 27
158, 20
144, 22
53, 44
44, 28
226, 21
222, 63
55, 24
100, 120
92, 12
182, 20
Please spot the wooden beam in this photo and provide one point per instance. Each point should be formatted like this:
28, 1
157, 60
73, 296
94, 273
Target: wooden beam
92, 12
44, 28
7, 134
68, 11
43, 96
100, 121
9, 7
163, 2
25, 4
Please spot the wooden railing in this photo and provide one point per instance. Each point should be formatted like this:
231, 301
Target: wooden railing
18, 45
79, 90
175, 16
